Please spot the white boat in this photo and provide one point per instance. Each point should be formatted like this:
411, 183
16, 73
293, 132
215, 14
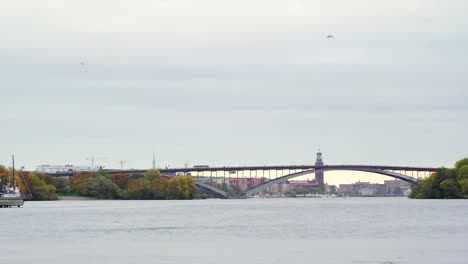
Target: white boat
10, 194
11, 197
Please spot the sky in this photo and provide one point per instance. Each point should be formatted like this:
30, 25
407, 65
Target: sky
233, 82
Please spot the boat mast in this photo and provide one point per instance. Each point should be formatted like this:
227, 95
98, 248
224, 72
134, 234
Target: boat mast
13, 157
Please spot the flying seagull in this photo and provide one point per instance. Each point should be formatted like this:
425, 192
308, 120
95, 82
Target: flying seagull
330, 37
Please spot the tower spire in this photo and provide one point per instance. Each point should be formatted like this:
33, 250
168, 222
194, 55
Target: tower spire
319, 175
154, 161
319, 157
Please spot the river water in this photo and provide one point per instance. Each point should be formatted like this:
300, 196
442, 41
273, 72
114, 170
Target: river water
300, 230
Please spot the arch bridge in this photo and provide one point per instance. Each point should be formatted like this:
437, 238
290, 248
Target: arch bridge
258, 178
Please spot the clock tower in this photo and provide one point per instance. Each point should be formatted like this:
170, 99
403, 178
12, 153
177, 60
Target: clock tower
319, 175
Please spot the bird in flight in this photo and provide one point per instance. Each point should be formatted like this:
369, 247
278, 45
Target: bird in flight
82, 63
330, 37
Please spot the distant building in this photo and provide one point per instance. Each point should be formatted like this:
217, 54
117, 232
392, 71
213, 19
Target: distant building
389, 188
397, 187
330, 189
63, 168
279, 188
246, 183
363, 189
346, 189
367, 191
219, 181
311, 186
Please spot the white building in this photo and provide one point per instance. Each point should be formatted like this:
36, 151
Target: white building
63, 168
279, 188
367, 192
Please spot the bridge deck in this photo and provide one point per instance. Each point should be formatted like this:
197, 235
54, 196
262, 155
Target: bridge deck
265, 168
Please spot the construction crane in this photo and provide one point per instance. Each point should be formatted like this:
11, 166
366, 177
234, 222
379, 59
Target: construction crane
92, 158
122, 162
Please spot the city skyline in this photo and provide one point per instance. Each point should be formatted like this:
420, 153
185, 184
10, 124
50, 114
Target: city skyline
334, 177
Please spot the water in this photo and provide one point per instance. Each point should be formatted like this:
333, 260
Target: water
307, 230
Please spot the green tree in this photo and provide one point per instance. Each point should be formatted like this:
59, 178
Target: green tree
441, 175
40, 189
462, 172
424, 189
450, 189
99, 186
187, 187
154, 185
174, 189
120, 193
152, 175
61, 185
150, 185
103, 173
461, 163
464, 186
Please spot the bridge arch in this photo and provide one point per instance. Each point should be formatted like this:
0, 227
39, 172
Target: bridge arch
285, 178
212, 188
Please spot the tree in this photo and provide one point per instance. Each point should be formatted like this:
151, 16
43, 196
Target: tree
120, 179
61, 185
462, 172
450, 189
90, 186
154, 184
97, 185
102, 185
174, 189
77, 181
424, 189
39, 189
464, 186
461, 163
120, 193
152, 175
188, 187
136, 189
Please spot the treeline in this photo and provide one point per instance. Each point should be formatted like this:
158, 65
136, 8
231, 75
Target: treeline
151, 185
444, 184
41, 186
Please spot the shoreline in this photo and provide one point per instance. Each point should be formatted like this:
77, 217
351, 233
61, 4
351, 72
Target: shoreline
76, 198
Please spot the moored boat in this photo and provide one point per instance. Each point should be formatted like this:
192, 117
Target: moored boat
11, 197
10, 194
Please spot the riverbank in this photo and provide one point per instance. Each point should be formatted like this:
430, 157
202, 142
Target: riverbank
76, 198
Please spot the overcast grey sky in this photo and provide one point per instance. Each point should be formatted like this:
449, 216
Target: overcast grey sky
234, 82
